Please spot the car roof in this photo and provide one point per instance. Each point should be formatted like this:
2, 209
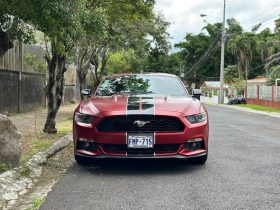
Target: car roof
141, 74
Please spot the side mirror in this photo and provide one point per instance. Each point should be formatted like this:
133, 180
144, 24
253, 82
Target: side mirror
196, 93
86, 93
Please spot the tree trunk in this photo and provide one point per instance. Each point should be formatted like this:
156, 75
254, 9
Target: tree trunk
239, 69
94, 61
54, 90
104, 61
82, 75
266, 70
5, 42
246, 75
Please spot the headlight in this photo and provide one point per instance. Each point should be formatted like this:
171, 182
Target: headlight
83, 118
197, 118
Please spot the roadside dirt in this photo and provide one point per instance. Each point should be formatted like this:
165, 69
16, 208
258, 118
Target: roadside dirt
53, 170
31, 124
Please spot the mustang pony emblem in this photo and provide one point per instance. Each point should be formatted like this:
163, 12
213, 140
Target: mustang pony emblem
140, 123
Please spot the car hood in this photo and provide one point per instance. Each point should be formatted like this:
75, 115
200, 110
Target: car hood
141, 104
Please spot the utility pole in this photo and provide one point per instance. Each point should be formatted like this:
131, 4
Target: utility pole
221, 98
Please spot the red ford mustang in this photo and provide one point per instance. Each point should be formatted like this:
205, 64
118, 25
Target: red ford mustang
140, 116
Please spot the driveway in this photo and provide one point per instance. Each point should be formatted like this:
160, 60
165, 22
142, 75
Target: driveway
242, 172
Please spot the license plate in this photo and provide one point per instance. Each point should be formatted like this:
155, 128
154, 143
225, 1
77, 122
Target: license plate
140, 140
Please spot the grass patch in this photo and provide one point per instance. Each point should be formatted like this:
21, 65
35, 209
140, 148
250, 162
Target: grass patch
36, 141
64, 127
26, 171
36, 204
42, 140
36, 146
31, 124
5, 167
259, 108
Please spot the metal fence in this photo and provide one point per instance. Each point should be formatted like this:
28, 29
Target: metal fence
265, 92
252, 92
277, 93
266, 95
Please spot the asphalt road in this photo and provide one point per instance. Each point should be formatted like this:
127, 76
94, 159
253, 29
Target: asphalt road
242, 172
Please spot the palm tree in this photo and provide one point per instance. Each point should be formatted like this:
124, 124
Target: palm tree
266, 49
234, 48
243, 46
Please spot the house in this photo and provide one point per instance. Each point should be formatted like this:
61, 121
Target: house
257, 81
213, 87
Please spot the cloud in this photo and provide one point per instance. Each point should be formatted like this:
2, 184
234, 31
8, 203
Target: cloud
184, 15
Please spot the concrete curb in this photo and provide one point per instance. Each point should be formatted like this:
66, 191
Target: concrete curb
16, 182
271, 114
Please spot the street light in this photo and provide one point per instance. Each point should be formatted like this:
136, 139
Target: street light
203, 15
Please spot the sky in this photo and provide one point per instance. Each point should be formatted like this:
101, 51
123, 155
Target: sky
184, 15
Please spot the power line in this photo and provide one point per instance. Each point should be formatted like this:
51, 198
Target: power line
260, 21
268, 18
215, 41
251, 27
207, 76
260, 17
207, 53
262, 12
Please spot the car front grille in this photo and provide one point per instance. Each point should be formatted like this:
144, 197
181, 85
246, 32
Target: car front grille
122, 148
129, 124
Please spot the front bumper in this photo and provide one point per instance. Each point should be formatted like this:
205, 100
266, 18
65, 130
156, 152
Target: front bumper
191, 131
142, 156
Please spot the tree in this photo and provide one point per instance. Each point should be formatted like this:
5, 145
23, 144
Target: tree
233, 79
12, 27
194, 54
243, 46
130, 26
231, 73
60, 21
94, 26
123, 25
277, 27
266, 48
123, 61
274, 74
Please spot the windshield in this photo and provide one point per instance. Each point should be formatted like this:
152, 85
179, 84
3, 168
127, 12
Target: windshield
142, 84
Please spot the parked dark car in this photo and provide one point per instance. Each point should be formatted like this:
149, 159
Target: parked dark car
237, 100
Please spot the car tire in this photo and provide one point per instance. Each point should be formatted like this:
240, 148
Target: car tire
81, 160
199, 160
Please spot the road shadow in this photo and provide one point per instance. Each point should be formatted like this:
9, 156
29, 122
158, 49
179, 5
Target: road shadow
139, 167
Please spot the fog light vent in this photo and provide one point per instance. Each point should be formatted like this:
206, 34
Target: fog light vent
194, 144
86, 145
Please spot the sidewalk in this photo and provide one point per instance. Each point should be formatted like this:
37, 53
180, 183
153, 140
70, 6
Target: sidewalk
272, 114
